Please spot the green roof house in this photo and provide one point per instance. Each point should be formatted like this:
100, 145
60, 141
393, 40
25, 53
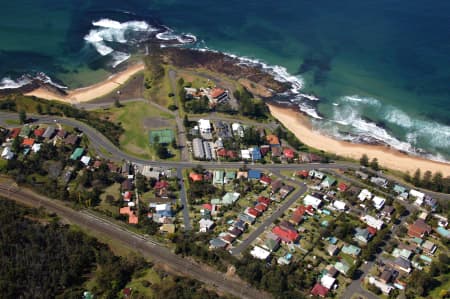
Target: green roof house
218, 177
328, 182
271, 245
351, 250
342, 267
230, 198
77, 153
230, 176
399, 189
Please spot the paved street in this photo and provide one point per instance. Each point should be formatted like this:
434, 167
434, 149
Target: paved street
266, 223
158, 253
183, 198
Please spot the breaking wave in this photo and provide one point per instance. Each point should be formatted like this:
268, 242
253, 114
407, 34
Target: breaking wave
348, 123
8, 83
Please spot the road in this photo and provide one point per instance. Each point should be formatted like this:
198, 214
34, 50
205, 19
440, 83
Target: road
148, 248
183, 198
266, 223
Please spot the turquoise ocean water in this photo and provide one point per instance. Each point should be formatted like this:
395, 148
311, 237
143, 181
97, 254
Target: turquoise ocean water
380, 69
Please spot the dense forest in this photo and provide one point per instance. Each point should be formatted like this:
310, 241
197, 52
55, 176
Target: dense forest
42, 258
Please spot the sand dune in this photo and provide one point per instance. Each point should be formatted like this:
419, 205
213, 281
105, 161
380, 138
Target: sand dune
91, 92
390, 158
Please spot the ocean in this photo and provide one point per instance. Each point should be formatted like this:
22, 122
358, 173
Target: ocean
374, 71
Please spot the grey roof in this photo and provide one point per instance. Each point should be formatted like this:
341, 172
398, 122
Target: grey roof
49, 132
401, 262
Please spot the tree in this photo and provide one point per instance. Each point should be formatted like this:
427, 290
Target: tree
374, 164
416, 178
407, 177
364, 161
426, 180
437, 181
117, 103
186, 122
180, 82
22, 117
39, 109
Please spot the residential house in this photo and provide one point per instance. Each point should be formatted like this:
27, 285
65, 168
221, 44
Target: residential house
289, 153
265, 180
218, 177
386, 289
429, 247
319, 290
342, 187
362, 175
372, 221
38, 132
379, 181
351, 250
85, 160
332, 250
246, 218
72, 140
285, 190
197, 147
362, 235
240, 224
339, 205
419, 229
327, 281
238, 130
264, 200
315, 174
168, 228
132, 217
286, 236
77, 153
206, 225
273, 140
229, 176
256, 154
365, 194
245, 154
313, 201
234, 231
222, 129
276, 151
378, 202
13, 133
402, 252
204, 126
7, 154
276, 185
36, 147
28, 142
328, 182
342, 267
272, 242
254, 174
49, 132
387, 212
402, 265
260, 207
302, 174
260, 253
217, 243
387, 275
252, 212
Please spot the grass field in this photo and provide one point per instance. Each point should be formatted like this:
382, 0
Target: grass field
137, 119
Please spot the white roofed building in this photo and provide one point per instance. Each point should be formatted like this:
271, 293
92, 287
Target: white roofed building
378, 202
204, 125
313, 201
372, 221
340, 205
260, 253
364, 194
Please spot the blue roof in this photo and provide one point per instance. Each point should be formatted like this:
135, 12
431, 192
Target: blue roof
254, 174
332, 240
256, 154
443, 232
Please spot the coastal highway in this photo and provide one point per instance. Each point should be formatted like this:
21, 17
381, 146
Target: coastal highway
108, 150
158, 253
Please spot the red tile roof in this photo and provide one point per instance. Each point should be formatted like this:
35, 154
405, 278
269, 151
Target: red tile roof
14, 133
28, 142
196, 177
265, 180
132, 218
342, 187
418, 229
253, 212
161, 185
372, 230
302, 173
222, 152
261, 207
288, 153
216, 92
319, 290
272, 139
208, 206
287, 236
264, 200
39, 132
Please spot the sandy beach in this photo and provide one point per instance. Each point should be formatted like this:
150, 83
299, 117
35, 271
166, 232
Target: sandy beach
299, 124
91, 92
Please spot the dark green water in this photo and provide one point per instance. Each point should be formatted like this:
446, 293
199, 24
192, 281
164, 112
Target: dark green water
381, 69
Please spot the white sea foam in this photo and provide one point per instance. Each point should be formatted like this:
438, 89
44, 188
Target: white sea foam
8, 83
107, 32
357, 100
311, 111
398, 117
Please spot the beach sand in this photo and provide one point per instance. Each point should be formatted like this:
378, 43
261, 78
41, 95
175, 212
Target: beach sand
300, 125
91, 92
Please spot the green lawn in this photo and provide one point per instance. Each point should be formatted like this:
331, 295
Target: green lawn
137, 119
137, 284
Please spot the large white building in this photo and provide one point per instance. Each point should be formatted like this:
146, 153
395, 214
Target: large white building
204, 126
313, 201
372, 221
378, 202
364, 194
